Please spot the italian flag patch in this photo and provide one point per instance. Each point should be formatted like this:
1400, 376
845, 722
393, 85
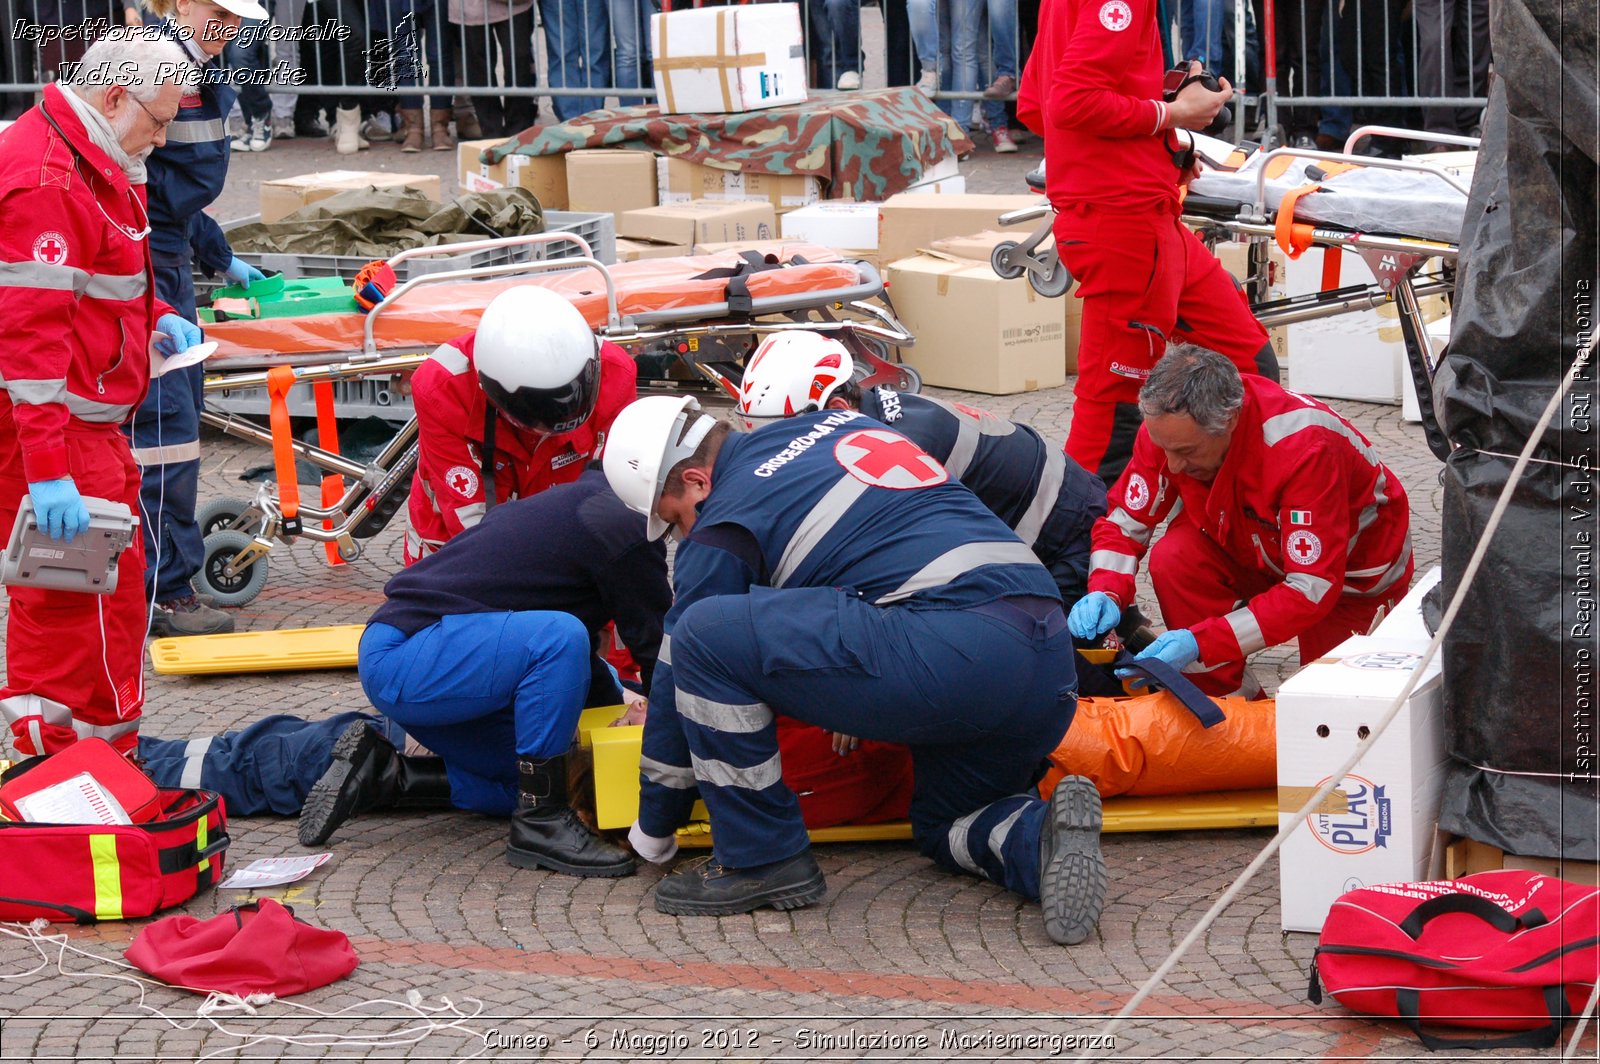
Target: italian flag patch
1299, 517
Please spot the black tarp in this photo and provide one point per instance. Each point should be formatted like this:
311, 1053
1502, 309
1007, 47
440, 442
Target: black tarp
1520, 664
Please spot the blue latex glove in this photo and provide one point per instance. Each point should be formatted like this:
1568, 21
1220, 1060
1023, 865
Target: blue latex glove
182, 334
1177, 648
242, 273
1093, 615
59, 508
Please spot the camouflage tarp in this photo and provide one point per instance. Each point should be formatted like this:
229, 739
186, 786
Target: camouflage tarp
865, 146
378, 222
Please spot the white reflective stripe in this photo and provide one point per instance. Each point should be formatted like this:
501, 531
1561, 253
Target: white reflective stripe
1312, 587
966, 445
1246, 630
195, 131
107, 731
418, 547
1113, 562
168, 453
1130, 526
116, 286
1280, 427
36, 735
678, 777
450, 358
720, 716
963, 559
90, 410
997, 837
755, 778
37, 393
471, 513
664, 655
1045, 494
815, 526
39, 275
21, 707
1394, 572
957, 839
194, 753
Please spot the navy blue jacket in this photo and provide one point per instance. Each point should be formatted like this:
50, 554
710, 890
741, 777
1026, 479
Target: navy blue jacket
186, 174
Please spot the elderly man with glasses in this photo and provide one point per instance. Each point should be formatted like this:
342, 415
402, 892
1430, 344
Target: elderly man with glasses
80, 306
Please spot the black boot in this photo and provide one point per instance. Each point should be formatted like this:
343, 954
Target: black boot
367, 774
546, 833
704, 888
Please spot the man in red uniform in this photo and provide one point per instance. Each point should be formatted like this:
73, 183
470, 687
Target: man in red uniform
1290, 527
79, 307
1092, 89
522, 403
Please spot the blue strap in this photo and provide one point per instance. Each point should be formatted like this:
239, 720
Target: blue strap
1161, 675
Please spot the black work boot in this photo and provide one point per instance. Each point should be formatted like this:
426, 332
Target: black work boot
1072, 871
705, 888
546, 832
369, 774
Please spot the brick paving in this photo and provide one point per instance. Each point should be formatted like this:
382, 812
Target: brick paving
931, 965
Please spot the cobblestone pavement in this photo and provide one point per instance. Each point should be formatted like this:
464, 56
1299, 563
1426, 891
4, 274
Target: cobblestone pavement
901, 961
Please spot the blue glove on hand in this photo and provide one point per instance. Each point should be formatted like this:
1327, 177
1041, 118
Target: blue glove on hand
242, 273
1093, 615
1177, 648
182, 334
59, 508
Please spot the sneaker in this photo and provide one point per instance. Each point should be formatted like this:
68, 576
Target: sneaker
1003, 144
241, 134
379, 127
260, 134
928, 84
283, 127
1303, 142
1072, 871
187, 616
849, 81
311, 126
1001, 87
705, 888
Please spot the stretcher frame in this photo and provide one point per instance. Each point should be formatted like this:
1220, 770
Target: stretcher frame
239, 534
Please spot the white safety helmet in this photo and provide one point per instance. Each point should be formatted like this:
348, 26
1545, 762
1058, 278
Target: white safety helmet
538, 361
793, 373
647, 439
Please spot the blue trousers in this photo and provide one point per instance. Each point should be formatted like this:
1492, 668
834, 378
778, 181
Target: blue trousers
481, 689
577, 44
268, 767
980, 696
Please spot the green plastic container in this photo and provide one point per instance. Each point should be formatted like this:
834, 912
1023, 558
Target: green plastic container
276, 298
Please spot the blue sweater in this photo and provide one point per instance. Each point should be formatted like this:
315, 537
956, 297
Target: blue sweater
188, 171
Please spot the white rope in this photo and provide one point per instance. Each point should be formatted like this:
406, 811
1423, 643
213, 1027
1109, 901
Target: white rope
1322, 792
1583, 1023
429, 1019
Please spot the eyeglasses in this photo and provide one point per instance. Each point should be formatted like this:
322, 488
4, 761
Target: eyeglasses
161, 123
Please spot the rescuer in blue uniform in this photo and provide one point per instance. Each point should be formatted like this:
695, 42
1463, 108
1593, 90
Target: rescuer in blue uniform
833, 572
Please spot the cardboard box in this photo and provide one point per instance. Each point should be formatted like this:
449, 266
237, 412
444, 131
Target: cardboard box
610, 180
1235, 258
834, 224
1379, 825
699, 222
948, 186
473, 175
728, 59
1458, 164
629, 250
679, 180
907, 223
979, 247
286, 195
543, 175
975, 331
1464, 857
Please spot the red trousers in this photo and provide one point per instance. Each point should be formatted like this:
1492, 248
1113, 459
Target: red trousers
1144, 278
1196, 580
64, 679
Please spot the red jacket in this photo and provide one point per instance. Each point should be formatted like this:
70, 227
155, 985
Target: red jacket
1301, 496
447, 494
1091, 89
76, 294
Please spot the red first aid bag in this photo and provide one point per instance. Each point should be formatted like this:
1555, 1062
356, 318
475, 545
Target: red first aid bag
118, 776
259, 948
1510, 950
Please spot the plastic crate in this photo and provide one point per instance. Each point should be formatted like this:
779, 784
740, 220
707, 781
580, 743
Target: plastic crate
359, 398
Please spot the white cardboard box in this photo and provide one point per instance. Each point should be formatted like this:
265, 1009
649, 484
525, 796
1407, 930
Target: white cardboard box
1378, 826
834, 224
954, 186
728, 59
1404, 623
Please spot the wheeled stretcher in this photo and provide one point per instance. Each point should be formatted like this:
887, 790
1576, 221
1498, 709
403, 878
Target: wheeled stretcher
688, 322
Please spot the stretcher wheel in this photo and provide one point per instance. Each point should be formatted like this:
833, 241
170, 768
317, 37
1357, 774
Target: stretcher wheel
219, 514
213, 579
1054, 284
1000, 261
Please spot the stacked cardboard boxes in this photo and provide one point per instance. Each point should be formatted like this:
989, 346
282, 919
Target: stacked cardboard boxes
286, 195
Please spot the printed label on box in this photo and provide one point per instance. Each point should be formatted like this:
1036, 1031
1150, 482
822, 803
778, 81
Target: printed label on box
1383, 661
472, 182
1365, 824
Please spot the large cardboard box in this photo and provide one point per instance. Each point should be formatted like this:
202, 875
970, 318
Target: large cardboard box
474, 175
629, 250
1378, 826
976, 331
834, 224
286, 195
679, 180
699, 222
908, 222
978, 247
610, 180
728, 59
543, 175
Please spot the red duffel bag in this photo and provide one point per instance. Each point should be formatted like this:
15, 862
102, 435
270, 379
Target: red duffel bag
1510, 950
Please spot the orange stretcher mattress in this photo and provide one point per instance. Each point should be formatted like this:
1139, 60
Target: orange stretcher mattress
434, 314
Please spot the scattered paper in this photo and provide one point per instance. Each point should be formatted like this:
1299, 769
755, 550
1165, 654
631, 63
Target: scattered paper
79, 800
161, 364
273, 872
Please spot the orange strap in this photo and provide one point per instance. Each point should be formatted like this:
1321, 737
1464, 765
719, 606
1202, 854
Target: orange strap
328, 440
1292, 238
1331, 258
279, 380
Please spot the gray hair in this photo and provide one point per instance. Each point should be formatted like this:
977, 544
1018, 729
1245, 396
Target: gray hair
139, 59
1196, 381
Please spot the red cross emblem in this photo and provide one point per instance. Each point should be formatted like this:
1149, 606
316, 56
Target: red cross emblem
50, 248
886, 459
1116, 16
1303, 547
462, 480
